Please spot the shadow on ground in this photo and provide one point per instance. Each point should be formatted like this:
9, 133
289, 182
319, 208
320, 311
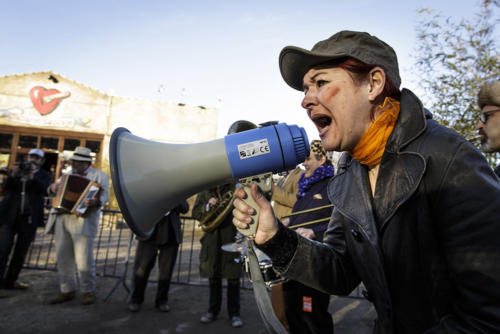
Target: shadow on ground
28, 312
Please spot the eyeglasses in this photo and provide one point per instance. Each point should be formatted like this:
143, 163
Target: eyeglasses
483, 117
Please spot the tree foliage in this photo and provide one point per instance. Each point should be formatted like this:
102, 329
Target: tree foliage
453, 59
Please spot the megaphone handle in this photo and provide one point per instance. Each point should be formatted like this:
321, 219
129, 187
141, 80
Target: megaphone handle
252, 227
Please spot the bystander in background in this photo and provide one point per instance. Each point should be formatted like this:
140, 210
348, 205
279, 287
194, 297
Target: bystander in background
489, 119
21, 212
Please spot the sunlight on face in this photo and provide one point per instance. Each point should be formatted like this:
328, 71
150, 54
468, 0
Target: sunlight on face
338, 107
311, 164
490, 132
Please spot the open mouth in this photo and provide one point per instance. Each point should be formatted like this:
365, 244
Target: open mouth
322, 121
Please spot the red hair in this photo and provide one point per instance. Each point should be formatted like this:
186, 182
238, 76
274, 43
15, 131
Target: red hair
360, 71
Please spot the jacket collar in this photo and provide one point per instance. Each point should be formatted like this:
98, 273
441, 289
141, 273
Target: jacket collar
410, 124
349, 192
399, 174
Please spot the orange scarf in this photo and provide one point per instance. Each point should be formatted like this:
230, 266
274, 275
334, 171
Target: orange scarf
371, 146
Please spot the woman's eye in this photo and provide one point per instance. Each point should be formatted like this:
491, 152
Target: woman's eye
320, 83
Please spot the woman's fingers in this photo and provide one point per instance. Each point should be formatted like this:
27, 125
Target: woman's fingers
242, 213
240, 193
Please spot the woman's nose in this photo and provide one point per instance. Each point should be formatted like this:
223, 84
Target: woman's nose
308, 100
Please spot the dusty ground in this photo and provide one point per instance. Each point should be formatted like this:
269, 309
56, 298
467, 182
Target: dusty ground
27, 312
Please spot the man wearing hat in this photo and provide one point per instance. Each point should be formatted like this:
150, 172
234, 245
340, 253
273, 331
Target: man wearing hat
416, 206
74, 235
21, 212
489, 121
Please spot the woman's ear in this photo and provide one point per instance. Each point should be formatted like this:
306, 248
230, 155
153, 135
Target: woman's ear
323, 159
376, 82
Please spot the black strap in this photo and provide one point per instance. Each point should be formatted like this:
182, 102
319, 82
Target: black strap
264, 304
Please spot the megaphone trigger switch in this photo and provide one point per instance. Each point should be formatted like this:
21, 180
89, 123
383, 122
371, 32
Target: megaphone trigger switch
252, 227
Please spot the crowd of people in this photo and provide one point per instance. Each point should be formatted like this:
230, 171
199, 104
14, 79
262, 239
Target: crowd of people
411, 209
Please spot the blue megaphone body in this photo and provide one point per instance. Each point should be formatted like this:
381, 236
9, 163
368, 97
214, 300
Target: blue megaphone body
150, 178
273, 148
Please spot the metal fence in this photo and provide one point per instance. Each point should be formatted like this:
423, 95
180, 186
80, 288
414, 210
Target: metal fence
114, 252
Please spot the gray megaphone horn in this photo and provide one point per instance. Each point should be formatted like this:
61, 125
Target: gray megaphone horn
150, 178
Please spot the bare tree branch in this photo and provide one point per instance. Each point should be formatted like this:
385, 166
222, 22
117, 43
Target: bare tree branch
453, 59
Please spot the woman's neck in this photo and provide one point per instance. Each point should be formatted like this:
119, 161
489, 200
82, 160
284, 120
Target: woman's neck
372, 175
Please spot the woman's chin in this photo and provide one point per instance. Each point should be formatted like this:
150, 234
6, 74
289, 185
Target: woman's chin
330, 144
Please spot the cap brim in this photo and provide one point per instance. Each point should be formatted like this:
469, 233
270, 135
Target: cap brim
295, 62
36, 152
81, 159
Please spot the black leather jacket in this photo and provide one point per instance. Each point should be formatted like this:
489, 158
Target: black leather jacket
426, 245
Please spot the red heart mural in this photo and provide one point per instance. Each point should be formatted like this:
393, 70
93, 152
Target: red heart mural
46, 100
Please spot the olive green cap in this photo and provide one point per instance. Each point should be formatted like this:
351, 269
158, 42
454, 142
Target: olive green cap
295, 62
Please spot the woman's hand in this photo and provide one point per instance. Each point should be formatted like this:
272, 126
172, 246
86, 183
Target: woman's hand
267, 223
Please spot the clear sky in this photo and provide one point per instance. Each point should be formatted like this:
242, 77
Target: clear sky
213, 53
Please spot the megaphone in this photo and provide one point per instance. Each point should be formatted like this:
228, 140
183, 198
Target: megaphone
150, 178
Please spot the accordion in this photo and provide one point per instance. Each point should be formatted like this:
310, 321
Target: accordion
73, 191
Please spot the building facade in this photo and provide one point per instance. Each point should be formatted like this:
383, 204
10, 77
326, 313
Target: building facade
56, 114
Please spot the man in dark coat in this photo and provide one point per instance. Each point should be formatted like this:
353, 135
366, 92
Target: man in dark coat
21, 212
416, 206
215, 263
489, 122
307, 308
164, 242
